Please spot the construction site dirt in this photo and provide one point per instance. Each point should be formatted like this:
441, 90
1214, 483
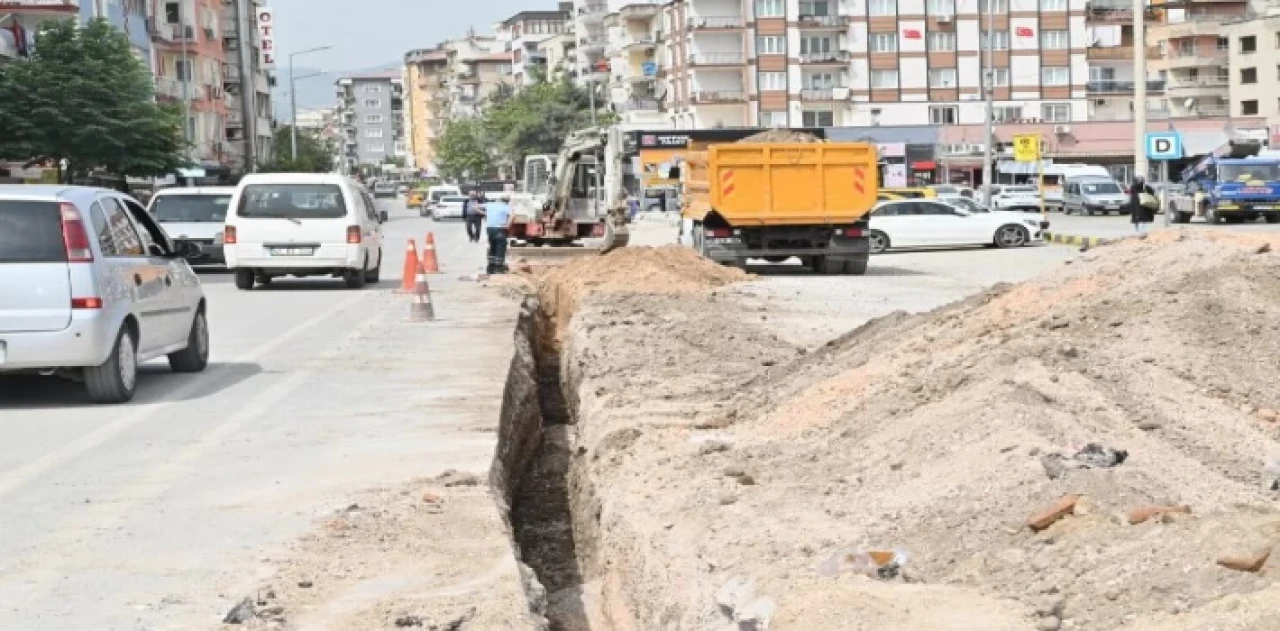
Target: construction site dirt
1092, 449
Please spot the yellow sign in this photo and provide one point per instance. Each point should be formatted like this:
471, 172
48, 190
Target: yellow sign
1026, 147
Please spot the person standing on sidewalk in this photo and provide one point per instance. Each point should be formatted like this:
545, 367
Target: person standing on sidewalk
497, 217
472, 216
1140, 213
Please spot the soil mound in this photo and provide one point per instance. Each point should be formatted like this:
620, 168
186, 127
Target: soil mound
669, 269
781, 135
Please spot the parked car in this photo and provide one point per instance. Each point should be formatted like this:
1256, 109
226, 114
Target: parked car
92, 287
1092, 195
303, 224
449, 207
916, 223
1020, 197
973, 206
195, 216
436, 193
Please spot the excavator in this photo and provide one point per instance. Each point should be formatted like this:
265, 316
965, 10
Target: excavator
574, 195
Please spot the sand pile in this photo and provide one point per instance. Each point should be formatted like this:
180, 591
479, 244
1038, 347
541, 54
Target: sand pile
781, 135
668, 269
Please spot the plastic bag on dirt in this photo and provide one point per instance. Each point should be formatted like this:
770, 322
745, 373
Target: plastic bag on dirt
882, 564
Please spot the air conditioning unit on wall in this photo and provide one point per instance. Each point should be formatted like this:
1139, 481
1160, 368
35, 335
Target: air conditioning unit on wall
1061, 130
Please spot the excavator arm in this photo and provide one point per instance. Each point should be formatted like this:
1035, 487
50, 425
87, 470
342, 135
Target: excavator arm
593, 141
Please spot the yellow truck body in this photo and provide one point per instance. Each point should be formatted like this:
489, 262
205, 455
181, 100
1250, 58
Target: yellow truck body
782, 183
775, 201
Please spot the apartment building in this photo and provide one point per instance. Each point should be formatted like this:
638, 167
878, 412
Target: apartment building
1254, 58
187, 37
523, 32
426, 102
477, 67
371, 113
1109, 38
19, 22
593, 40
1195, 39
637, 55
560, 52
257, 88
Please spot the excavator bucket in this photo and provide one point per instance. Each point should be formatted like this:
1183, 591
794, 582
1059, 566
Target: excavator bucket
616, 235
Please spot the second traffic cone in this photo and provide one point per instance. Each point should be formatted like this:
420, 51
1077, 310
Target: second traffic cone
421, 310
411, 265
430, 263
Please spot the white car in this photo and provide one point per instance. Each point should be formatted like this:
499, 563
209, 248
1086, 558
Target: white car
90, 287
1016, 197
303, 224
914, 223
195, 216
449, 207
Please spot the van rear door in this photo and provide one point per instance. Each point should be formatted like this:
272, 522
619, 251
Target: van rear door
35, 283
293, 220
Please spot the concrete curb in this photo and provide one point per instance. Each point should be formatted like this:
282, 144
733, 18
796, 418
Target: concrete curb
1079, 241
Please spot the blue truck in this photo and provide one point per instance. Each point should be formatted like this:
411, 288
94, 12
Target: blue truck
1238, 182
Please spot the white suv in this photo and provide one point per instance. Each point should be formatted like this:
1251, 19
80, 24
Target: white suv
92, 287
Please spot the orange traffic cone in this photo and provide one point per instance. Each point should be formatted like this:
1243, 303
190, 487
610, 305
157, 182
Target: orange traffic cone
429, 261
411, 266
421, 310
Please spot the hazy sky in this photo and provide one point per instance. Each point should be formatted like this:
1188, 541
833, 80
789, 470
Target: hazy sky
368, 33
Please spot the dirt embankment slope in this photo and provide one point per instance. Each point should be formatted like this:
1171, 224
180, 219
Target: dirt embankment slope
735, 464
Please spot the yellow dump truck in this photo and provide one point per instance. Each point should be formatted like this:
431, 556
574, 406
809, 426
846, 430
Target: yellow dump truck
778, 200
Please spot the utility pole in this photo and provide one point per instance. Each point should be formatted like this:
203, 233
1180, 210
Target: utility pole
248, 90
1139, 88
987, 78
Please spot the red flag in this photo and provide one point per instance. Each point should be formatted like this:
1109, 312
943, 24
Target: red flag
911, 34
1025, 31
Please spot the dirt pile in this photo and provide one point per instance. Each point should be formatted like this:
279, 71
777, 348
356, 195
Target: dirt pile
781, 135
943, 435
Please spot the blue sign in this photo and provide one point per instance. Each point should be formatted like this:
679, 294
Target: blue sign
1165, 145
650, 69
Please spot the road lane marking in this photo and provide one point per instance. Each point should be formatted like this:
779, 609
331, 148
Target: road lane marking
15, 479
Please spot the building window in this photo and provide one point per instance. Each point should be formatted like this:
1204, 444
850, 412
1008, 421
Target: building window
378, 148
999, 40
1055, 75
997, 6
773, 119
1248, 75
771, 8
373, 88
373, 103
944, 115
942, 78
1277, 40
819, 119
815, 7
884, 79
941, 7
1224, 44
1006, 113
771, 45
942, 42
1248, 45
1053, 5
816, 45
373, 119
883, 43
1055, 112
823, 81
773, 81
373, 133
1249, 108
1055, 40
999, 77
882, 7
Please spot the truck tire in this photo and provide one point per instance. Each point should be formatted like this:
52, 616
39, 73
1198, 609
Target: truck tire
828, 265
1211, 215
856, 266
879, 241
1272, 218
1181, 217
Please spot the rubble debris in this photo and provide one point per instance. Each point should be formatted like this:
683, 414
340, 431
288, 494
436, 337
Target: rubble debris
1053, 513
1140, 515
1097, 456
1248, 562
242, 613
453, 477
408, 621
882, 564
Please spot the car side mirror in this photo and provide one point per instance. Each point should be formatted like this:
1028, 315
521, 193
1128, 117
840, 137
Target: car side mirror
383, 217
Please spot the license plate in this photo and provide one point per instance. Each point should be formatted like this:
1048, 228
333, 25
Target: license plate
1113, 206
292, 251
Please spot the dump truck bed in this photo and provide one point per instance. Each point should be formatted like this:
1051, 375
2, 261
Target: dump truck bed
773, 184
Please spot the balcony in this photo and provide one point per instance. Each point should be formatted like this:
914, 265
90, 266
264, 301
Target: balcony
230, 73
1194, 26
174, 34
593, 42
1123, 52
641, 105
235, 120
824, 22
826, 57
824, 94
593, 11
717, 59
1115, 12
640, 9
637, 43
1122, 87
1182, 58
719, 97
716, 23
171, 87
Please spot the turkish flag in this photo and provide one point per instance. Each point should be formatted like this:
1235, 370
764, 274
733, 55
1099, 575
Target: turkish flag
911, 34
1025, 31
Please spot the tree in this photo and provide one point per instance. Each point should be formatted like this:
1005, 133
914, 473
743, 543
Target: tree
315, 154
539, 117
463, 150
84, 98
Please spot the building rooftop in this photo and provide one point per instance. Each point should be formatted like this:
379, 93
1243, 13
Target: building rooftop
536, 15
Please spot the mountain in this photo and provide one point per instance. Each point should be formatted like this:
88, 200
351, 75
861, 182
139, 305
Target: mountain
316, 91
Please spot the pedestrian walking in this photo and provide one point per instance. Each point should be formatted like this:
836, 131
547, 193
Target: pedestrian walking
1143, 204
497, 217
472, 215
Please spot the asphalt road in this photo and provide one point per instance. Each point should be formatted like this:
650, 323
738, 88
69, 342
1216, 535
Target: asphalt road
1112, 226
159, 513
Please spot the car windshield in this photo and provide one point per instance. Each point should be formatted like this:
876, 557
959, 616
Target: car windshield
1248, 172
292, 201
453, 200
438, 195
967, 204
31, 232
190, 208
1100, 188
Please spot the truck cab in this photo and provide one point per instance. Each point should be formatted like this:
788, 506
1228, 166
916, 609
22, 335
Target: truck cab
1238, 182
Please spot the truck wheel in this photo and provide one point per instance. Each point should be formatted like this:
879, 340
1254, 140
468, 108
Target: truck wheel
1180, 217
1272, 218
244, 279
1211, 215
828, 265
879, 241
856, 266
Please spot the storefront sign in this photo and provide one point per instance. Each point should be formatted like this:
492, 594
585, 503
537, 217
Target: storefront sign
664, 141
891, 149
267, 36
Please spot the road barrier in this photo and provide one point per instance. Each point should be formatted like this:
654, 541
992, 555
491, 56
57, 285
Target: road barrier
430, 263
411, 266
1079, 241
421, 310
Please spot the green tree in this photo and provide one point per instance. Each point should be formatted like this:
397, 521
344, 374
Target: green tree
463, 150
84, 98
537, 118
315, 154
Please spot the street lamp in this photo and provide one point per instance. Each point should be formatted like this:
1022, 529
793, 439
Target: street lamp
293, 100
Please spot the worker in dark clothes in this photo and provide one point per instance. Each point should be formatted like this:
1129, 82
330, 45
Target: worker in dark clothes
497, 218
472, 216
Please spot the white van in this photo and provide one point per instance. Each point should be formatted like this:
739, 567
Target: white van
435, 194
303, 224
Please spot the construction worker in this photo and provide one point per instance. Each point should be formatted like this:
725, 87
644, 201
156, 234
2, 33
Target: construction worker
497, 218
472, 216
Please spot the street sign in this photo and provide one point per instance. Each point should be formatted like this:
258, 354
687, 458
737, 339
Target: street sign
1026, 147
1165, 145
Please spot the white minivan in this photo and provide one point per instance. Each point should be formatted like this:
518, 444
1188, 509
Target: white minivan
303, 224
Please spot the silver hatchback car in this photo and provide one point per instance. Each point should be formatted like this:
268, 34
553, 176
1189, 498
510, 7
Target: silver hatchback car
91, 286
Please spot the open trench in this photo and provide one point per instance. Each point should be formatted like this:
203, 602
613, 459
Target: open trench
540, 495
